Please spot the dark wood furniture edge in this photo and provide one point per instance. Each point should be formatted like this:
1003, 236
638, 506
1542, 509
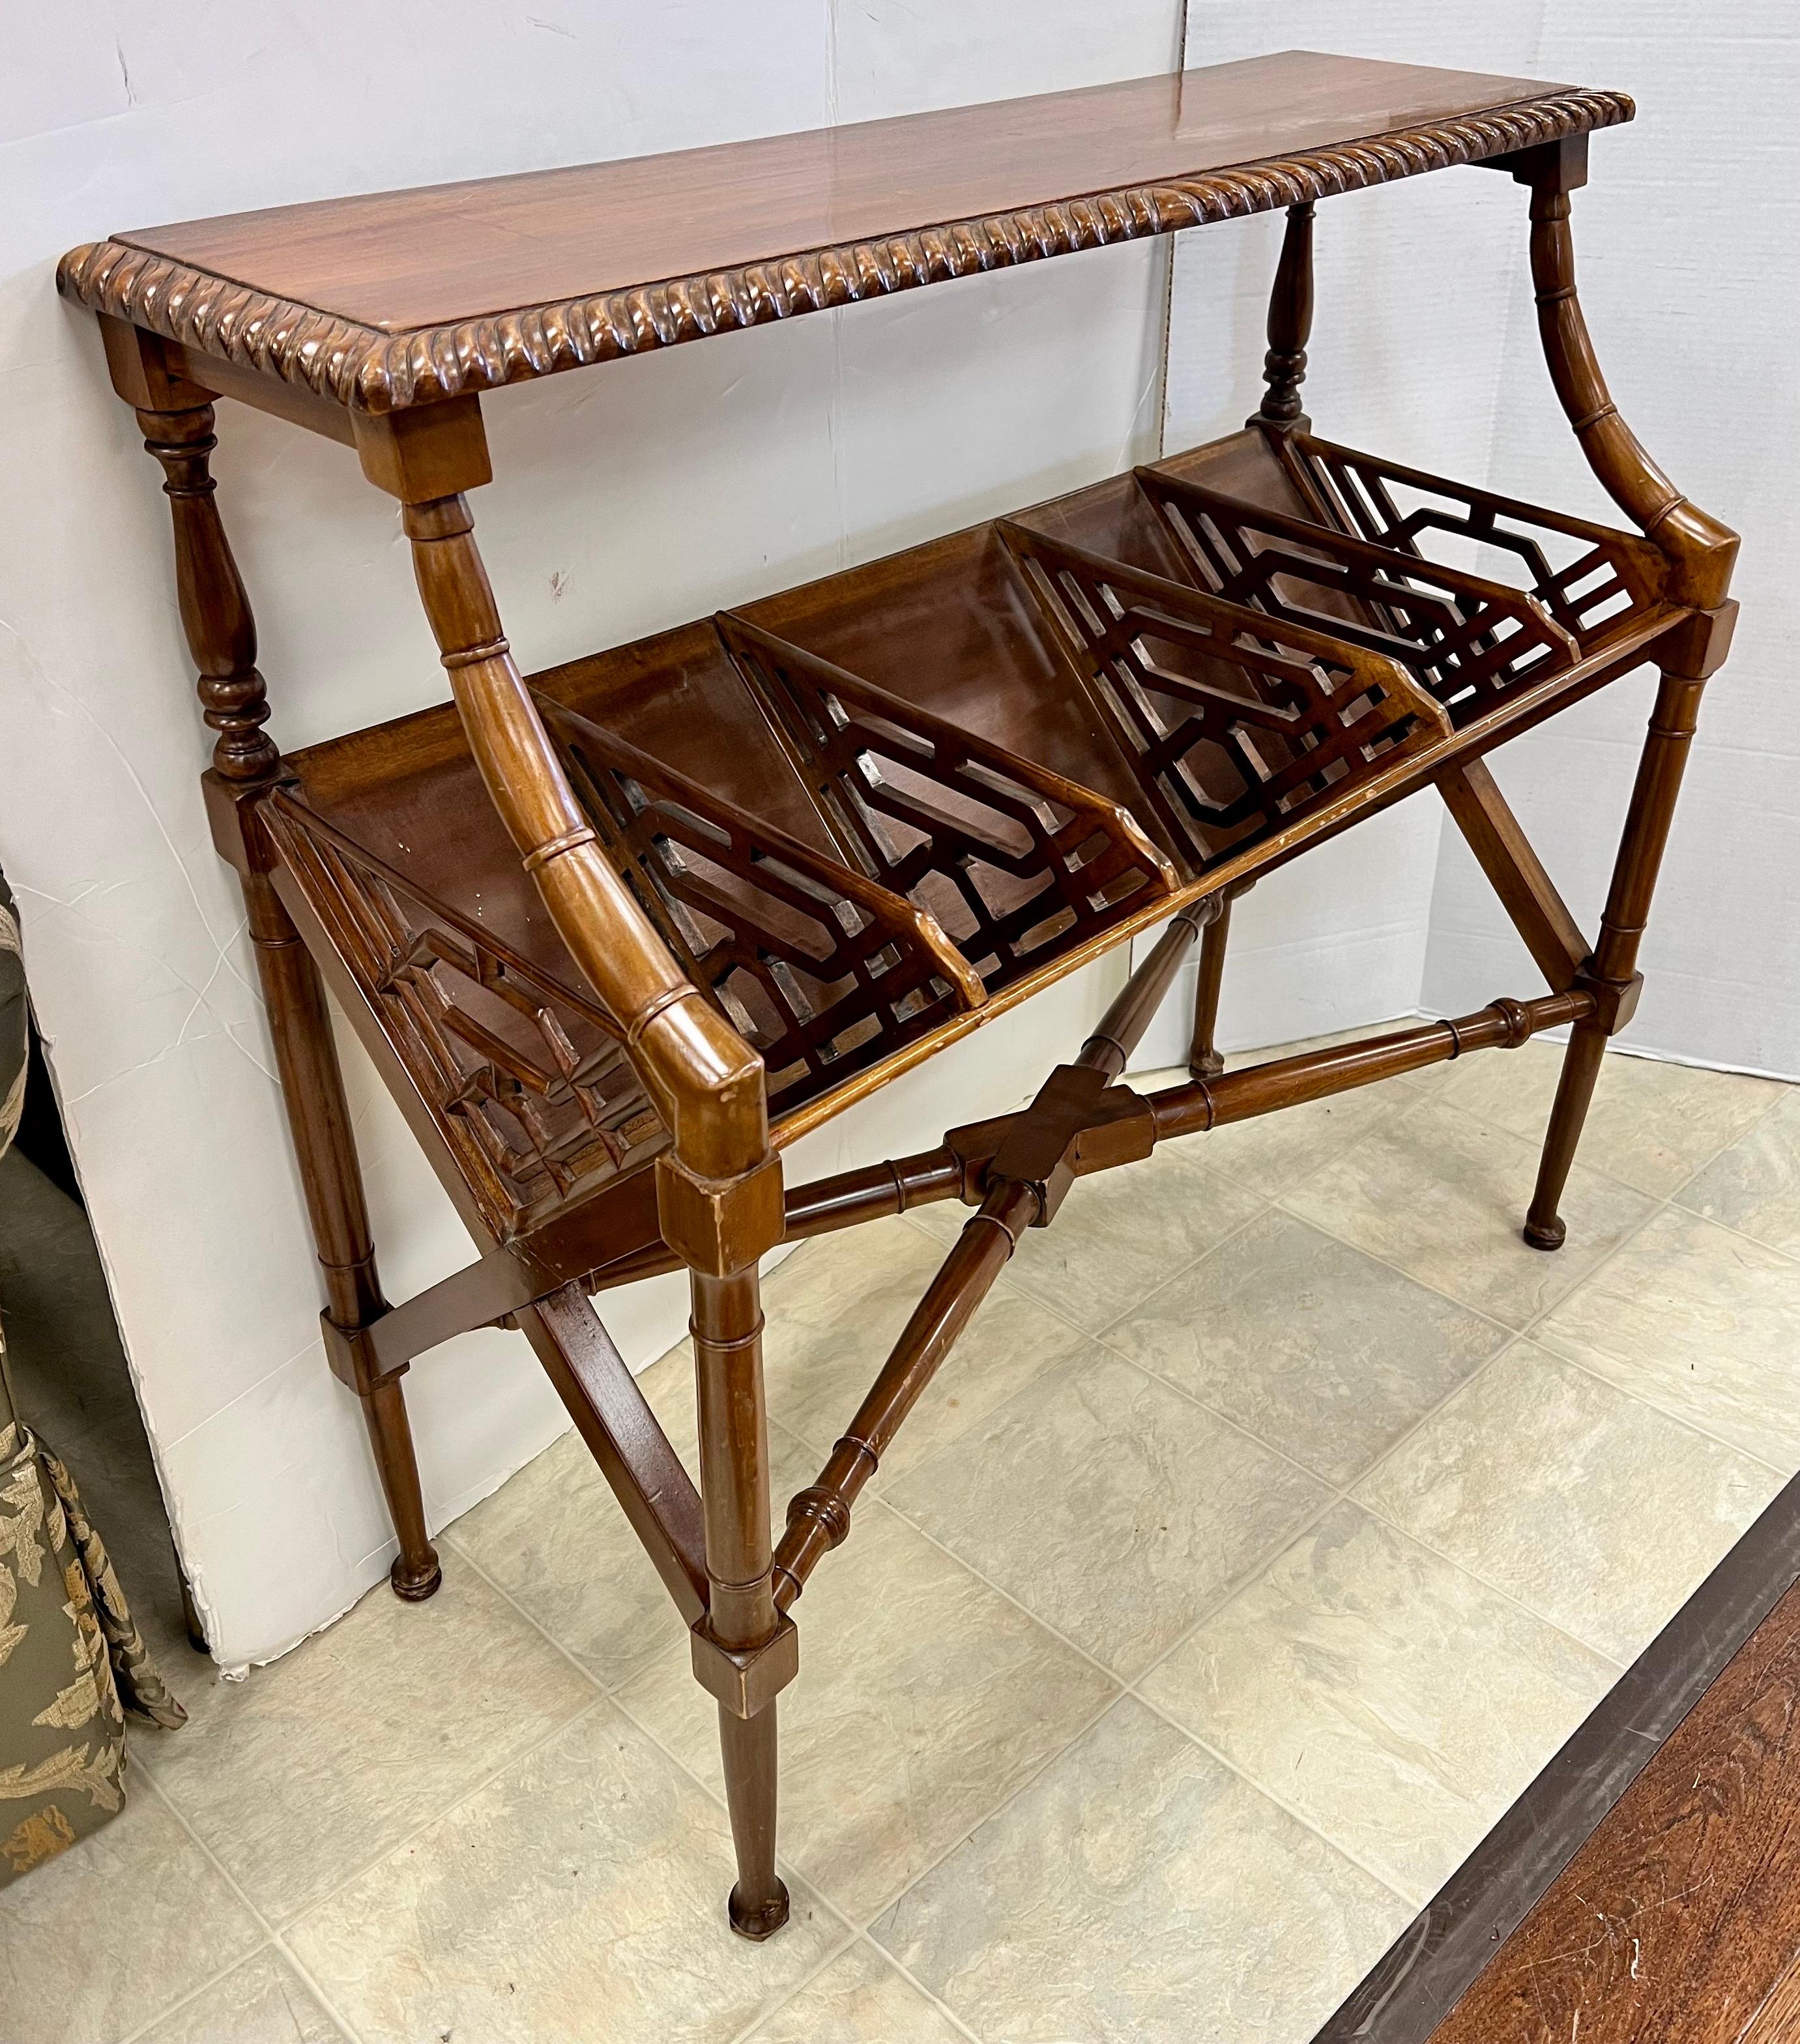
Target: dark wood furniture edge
366, 369
1437, 1959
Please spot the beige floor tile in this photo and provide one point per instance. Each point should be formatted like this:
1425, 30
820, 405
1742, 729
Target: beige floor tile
316, 1763
1594, 1509
1119, 1234
834, 1310
264, 2001
103, 1940
579, 1895
1137, 1892
924, 1698
859, 1999
1652, 1124
1272, 1153
1316, 1348
1395, 1703
554, 1537
1700, 1322
1441, 1195
1109, 1505
1755, 1187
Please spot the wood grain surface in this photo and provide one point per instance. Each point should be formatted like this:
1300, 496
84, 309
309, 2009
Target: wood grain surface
449, 252
1680, 1919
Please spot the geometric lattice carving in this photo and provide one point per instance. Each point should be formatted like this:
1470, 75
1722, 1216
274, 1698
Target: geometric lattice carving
1598, 578
526, 1078
1358, 571
1015, 863
822, 971
1236, 724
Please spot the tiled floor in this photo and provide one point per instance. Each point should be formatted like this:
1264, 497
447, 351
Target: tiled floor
1278, 1517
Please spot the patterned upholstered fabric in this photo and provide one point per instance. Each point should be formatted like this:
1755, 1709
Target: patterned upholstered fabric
71, 1662
13, 1037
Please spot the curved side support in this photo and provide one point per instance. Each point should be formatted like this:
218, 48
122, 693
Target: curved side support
1700, 551
705, 1079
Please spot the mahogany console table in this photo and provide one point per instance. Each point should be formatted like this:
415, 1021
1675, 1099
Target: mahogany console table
616, 933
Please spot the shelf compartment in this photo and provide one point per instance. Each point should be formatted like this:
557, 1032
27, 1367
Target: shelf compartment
1236, 723
1355, 566
957, 866
817, 966
866, 812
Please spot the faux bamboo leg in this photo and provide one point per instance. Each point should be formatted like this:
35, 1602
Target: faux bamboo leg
742, 1619
719, 1190
221, 634
1614, 973
1699, 553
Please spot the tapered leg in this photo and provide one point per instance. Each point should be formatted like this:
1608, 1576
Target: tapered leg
758, 1903
1613, 974
1203, 1060
306, 1058
221, 635
742, 1619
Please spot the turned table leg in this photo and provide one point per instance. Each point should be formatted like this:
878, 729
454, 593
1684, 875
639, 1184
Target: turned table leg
221, 635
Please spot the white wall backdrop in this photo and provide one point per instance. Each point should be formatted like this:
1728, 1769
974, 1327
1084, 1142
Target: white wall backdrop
628, 499
1687, 246
1425, 347
633, 497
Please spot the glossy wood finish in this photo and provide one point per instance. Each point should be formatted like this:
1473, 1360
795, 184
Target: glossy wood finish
1415, 1985
406, 298
450, 253
1679, 1918
617, 934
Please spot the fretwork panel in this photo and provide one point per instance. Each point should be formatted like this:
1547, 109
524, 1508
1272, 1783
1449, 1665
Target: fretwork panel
527, 1078
1236, 724
1015, 862
823, 971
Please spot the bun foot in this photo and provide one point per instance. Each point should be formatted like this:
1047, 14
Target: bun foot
1545, 1235
762, 1921
416, 1581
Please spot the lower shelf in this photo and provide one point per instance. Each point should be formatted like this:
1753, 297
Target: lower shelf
861, 812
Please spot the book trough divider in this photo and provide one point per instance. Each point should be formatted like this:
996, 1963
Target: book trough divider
616, 935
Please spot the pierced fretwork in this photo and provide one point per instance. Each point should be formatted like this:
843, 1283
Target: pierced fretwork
824, 970
1468, 639
1015, 862
1604, 576
527, 1079
1236, 724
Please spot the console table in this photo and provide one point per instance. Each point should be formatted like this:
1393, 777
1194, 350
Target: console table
615, 934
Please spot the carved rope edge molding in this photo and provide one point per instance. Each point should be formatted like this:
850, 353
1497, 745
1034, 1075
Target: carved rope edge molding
367, 370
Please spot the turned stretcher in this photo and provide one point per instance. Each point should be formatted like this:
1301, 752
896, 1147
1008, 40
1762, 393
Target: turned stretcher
615, 934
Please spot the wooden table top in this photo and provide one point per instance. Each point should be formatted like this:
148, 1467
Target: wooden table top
404, 298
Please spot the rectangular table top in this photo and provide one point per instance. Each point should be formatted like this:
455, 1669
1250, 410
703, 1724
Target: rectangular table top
402, 298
